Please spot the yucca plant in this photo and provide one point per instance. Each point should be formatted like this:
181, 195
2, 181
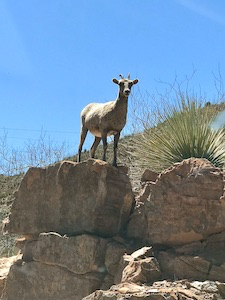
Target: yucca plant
183, 131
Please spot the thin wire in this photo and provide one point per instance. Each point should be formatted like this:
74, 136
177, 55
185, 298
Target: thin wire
36, 130
32, 139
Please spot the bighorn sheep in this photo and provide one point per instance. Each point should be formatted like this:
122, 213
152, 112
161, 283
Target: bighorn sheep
105, 119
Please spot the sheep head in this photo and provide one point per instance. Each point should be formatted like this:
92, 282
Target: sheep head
125, 85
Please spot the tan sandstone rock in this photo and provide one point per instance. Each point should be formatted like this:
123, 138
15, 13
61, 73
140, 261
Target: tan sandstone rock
138, 267
114, 253
149, 175
5, 264
131, 291
79, 254
197, 261
191, 267
72, 198
185, 204
164, 290
78, 265
38, 281
145, 270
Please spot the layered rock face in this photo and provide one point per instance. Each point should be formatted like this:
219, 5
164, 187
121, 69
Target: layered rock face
67, 214
185, 204
81, 242
60, 267
203, 260
182, 211
141, 280
72, 198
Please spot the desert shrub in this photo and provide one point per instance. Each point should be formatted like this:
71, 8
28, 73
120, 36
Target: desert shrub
13, 164
182, 131
8, 186
39, 153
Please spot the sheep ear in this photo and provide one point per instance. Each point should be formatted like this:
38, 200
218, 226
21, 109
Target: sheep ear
135, 81
115, 81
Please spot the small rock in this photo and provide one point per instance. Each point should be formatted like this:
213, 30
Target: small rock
221, 288
142, 253
206, 286
149, 175
142, 271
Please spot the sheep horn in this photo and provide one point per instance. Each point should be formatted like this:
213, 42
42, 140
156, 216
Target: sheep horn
129, 76
121, 76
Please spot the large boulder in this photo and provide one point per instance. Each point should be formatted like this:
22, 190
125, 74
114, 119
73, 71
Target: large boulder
60, 267
72, 198
185, 204
78, 254
37, 281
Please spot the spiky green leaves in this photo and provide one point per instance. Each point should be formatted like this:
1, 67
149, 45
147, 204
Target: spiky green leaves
184, 131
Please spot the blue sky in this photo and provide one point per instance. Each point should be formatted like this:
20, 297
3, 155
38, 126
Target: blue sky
56, 56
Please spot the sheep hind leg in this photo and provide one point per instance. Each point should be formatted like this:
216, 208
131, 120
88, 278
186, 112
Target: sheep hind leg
94, 146
83, 135
104, 141
115, 146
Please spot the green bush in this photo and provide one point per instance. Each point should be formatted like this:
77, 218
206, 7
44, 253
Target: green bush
183, 131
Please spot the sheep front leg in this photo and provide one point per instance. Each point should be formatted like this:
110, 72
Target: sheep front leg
104, 141
115, 146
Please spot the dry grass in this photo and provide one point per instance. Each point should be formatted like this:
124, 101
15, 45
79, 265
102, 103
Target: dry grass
8, 186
